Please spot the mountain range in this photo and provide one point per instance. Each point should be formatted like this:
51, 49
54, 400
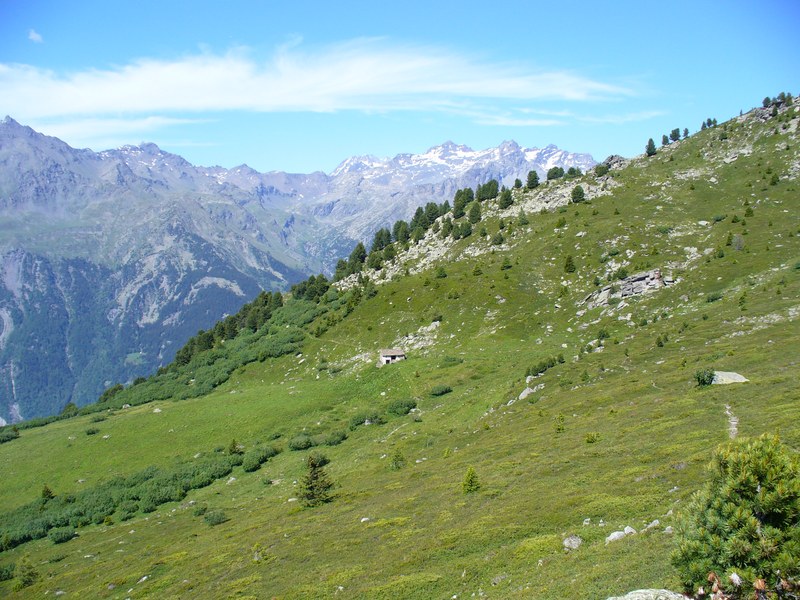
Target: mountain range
110, 261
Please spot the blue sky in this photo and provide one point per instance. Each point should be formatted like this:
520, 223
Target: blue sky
300, 86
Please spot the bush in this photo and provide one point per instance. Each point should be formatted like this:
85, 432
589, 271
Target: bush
401, 407
746, 519
7, 572
301, 442
367, 417
440, 390
26, 573
704, 377
215, 517
59, 535
601, 170
6, 435
92, 431
714, 296
334, 438
253, 459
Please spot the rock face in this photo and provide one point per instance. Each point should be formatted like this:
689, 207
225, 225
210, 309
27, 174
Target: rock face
650, 595
640, 283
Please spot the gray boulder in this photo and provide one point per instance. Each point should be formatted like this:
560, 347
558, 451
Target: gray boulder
650, 595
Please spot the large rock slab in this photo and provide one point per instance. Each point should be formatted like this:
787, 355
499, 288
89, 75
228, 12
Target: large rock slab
725, 377
650, 595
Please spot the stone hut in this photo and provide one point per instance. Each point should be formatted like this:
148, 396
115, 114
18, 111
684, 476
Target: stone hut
391, 355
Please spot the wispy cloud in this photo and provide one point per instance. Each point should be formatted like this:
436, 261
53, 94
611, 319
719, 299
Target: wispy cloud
100, 133
623, 118
35, 36
369, 75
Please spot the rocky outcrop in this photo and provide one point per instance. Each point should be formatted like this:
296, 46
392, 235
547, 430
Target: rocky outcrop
634, 285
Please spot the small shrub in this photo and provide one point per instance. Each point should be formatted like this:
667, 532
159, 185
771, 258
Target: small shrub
59, 535
92, 431
559, 423
334, 438
592, 438
714, 296
200, 510
401, 407
253, 459
704, 377
367, 417
301, 442
98, 418
215, 517
440, 390
7, 572
26, 574
398, 460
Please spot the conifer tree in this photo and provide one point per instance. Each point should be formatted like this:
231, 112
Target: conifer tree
533, 180
316, 485
746, 520
470, 483
650, 149
578, 195
474, 213
506, 199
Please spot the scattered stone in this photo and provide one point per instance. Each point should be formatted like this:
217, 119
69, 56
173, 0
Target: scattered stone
525, 393
111, 586
650, 595
499, 578
668, 529
364, 519
726, 377
143, 579
614, 536
230, 481
292, 500
587, 521
652, 525
572, 542
629, 530
156, 410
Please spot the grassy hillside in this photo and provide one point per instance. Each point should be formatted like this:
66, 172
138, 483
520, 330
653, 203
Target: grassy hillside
617, 435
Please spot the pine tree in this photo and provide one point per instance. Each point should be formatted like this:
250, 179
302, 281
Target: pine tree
470, 483
746, 520
506, 199
533, 180
316, 485
664, 140
474, 213
569, 264
650, 149
578, 195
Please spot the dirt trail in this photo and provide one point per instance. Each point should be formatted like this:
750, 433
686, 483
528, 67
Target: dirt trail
733, 422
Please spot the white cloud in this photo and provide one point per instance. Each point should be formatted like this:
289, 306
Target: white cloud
35, 36
366, 75
99, 133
